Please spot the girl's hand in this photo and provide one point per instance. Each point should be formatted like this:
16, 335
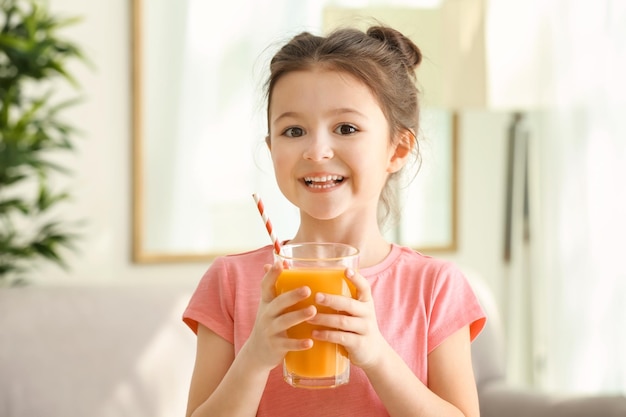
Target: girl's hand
268, 340
355, 327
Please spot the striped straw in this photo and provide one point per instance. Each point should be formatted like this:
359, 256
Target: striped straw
268, 224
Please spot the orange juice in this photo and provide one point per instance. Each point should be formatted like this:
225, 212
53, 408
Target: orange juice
324, 359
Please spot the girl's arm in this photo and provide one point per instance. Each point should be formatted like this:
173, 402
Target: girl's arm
222, 384
451, 390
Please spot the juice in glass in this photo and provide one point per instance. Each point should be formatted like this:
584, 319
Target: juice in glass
325, 365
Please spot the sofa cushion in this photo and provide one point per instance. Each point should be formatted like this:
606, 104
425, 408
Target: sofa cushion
102, 351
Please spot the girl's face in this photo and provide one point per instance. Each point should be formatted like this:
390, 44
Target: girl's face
330, 143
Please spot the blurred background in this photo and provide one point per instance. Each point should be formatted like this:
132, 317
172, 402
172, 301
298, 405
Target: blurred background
540, 95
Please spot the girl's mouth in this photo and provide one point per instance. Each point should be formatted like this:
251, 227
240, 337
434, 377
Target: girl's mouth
325, 181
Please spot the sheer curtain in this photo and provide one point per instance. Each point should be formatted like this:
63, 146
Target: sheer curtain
583, 198
577, 283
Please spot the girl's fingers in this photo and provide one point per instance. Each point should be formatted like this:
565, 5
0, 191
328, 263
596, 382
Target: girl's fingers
290, 298
363, 289
297, 344
346, 339
340, 322
280, 306
355, 323
354, 307
268, 291
341, 303
348, 327
292, 318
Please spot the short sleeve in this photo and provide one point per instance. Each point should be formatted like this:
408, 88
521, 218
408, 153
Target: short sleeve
212, 302
453, 306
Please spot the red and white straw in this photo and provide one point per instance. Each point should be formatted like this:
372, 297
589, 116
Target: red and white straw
268, 223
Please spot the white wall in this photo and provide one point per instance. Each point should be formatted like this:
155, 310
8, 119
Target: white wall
103, 165
482, 158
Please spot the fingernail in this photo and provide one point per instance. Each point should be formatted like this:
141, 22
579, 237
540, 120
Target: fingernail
349, 272
319, 297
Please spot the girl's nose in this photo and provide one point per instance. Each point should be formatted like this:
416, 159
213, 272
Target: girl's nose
318, 148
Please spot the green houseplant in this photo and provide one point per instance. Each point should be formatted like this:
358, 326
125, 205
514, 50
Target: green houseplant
33, 65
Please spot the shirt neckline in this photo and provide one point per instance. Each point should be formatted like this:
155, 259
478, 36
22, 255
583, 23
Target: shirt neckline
389, 260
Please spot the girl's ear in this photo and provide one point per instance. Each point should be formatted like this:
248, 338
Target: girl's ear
405, 144
268, 142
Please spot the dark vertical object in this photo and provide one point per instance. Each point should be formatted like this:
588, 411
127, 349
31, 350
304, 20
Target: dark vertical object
526, 203
517, 153
508, 203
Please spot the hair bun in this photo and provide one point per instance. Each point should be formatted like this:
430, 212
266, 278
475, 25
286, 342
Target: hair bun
403, 46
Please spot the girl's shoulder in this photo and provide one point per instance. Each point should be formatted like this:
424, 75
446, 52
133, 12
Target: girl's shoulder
236, 266
262, 254
402, 259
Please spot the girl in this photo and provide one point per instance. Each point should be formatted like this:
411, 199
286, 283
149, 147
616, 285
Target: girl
342, 120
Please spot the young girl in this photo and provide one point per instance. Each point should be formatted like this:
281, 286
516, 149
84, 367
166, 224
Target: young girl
342, 120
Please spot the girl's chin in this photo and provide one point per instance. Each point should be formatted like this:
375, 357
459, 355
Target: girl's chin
323, 215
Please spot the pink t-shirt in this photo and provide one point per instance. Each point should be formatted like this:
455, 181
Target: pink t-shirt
419, 301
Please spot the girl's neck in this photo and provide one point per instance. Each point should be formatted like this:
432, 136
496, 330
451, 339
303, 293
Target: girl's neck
373, 247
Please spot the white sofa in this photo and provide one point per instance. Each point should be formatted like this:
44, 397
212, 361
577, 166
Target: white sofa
122, 351
97, 351
500, 399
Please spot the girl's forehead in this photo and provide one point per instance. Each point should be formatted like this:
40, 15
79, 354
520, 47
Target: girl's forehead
324, 94
321, 72
327, 84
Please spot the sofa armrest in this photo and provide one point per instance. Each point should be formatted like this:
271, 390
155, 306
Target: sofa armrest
499, 400
97, 351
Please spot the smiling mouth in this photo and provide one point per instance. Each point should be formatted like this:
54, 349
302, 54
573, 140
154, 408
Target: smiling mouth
324, 181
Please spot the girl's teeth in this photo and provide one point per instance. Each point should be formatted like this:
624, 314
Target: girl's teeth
326, 181
324, 178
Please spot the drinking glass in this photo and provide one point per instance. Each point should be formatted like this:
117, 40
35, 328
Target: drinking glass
321, 267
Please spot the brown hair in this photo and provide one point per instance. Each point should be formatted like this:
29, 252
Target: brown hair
382, 58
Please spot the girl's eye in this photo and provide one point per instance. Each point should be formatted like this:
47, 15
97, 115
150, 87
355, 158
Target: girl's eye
346, 129
294, 132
